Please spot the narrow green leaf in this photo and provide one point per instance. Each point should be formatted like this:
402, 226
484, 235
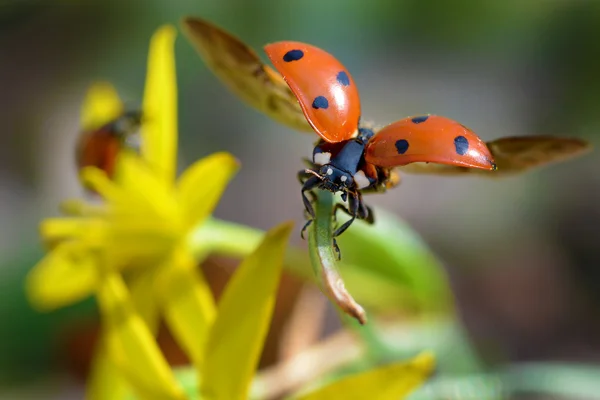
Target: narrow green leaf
390, 382
323, 259
244, 313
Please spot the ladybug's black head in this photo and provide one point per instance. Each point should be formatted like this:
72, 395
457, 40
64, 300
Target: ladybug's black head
335, 179
128, 123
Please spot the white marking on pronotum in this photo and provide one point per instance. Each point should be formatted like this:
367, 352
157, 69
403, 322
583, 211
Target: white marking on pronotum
329, 171
361, 180
322, 158
344, 178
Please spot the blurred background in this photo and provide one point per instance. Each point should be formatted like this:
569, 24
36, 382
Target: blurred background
522, 253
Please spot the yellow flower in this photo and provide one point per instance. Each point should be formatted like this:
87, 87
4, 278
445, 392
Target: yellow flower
142, 229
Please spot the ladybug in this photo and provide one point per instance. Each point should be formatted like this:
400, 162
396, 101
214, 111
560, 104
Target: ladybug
99, 147
310, 90
350, 158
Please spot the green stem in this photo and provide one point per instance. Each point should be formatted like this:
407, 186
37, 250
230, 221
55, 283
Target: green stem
226, 238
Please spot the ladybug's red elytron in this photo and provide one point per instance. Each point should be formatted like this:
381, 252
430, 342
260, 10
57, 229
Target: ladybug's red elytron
99, 147
314, 92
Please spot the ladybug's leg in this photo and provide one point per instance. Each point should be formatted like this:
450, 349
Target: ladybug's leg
364, 211
367, 213
336, 248
339, 206
308, 185
306, 225
354, 206
303, 176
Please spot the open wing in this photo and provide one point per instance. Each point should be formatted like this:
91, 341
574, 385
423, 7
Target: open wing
514, 155
242, 71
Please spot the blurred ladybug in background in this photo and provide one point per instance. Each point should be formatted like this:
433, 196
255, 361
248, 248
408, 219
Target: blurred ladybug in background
314, 92
99, 147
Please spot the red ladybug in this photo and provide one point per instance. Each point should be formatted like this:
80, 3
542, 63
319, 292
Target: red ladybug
351, 158
314, 92
99, 147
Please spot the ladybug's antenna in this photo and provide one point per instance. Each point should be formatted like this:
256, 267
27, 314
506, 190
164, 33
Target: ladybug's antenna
310, 171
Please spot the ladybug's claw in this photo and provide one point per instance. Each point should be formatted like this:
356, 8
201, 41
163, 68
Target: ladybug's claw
337, 207
336, 248
304, 228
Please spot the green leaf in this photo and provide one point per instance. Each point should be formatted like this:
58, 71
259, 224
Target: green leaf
244, 313
392, 382
393, 250
570, 380
323, 259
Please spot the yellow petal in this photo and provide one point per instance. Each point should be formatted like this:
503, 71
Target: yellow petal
100, 106
390, 382
131, 346
89, 231
244, 314
80, 208
201, 185
97, 180
66, 275
105, 382
143, 296
134, 199
144, 184
187, 303
159, 128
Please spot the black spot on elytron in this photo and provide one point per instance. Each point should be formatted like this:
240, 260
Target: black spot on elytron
293, 55
461, 144
320, 102
401, 146
342, 78
418, 120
